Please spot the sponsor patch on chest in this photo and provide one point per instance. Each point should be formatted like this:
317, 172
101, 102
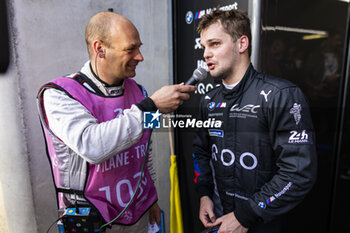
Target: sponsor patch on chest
246, 111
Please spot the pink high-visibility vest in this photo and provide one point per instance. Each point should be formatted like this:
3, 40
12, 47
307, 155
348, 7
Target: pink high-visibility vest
110, 185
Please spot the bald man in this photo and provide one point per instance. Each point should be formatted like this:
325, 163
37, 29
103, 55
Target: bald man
92, 123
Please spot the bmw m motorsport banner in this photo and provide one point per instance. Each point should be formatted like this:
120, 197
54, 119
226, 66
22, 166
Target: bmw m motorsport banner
189, 56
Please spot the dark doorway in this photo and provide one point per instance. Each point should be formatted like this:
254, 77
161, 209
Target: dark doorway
305, 42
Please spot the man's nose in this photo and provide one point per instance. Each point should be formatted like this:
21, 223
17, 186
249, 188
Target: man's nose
207, 53
138, 56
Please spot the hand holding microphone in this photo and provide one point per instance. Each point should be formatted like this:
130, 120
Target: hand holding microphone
169, 98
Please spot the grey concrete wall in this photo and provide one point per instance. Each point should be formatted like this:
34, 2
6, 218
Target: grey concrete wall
48, 41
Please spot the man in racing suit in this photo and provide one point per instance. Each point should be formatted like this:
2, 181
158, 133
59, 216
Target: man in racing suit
93, 127
264, 155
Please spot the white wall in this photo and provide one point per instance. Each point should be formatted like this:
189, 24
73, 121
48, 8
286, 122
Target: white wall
48, 41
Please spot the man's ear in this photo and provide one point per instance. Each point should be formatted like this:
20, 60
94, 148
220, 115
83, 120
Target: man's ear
98, 48
243, 44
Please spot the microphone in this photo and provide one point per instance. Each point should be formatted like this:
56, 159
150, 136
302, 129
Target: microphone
198, 75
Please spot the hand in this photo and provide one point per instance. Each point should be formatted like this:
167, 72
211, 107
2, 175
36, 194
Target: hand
169, 98
154, 214
206, 212
229, 224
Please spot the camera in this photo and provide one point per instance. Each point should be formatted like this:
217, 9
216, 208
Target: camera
80, 220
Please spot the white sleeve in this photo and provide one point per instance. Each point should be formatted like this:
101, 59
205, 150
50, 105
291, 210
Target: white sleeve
96, 142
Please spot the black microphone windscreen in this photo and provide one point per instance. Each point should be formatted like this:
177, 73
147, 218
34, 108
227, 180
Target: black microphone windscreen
198, 75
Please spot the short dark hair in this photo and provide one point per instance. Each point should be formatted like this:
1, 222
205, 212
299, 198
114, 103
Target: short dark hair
236, 23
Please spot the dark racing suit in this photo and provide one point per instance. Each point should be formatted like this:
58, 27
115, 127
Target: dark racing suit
263, 155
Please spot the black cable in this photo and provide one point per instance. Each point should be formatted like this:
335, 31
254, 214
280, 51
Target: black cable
137, 187
48, 230
96, 63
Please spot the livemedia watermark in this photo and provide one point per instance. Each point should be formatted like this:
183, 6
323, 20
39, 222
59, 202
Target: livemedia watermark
157, 120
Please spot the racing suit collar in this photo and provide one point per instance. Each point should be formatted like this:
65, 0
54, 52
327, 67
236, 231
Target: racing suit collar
241, 86
106, 89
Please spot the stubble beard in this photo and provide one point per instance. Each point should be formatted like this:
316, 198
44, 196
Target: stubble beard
223, 74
